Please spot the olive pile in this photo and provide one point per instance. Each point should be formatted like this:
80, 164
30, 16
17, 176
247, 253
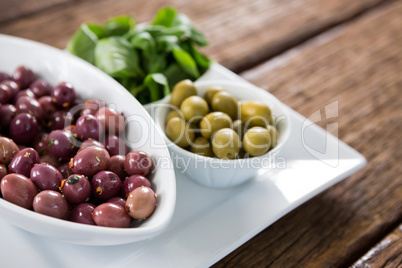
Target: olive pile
65, 158
219, 125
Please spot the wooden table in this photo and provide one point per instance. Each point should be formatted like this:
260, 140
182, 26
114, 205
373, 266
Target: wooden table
308, 53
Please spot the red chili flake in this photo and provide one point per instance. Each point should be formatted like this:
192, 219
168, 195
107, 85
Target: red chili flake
99, 190
63, 182
71, 163
27, 154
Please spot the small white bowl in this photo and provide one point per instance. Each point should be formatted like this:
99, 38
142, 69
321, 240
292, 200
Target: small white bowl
54, 66
223, 173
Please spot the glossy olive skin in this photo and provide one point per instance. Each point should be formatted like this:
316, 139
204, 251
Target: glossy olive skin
76, 189
116, 165
18, 189
23, 128
194, 108
8, 149
239, 127
257, 141
111, 215
46, 177
24, 161
63, 94
174, 113
138, 162
105, 185
50, 203
226, 143
133, 182
255, 114
23, 76
61, 144
118, 201
182, 91
225, 102
7, 114
214, 121
141, 203
3, 171
111, 120
89, 161
179, 132
202, 146
273, 132
82, 213
210, 93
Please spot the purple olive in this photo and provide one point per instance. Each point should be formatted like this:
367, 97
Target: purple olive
133, 182
23, 76
89, 161
82, 213
8, 149
3, 171
18, 189
138, 162
64, 94
23, 93
24, 161
92, 106
141, 203
29, 105
116, 165
105, 185
61, 144
23, 128
46, 177
112, 121
65, 170
50, 203
50, 159
90, 143
88, 127
115, 145
5, 93
4, 76
76, 189
111, 215
118, 201
13, 87
7, 113
48, 107
40, 88
40, 143
60, 119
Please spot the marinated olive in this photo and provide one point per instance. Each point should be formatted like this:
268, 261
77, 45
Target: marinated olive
182, 91
50, 203
18, 189
8, 149
194, 108
138, 162
89, 161
23, 128
226, 143
116, 165
133, 182
141, 203
40, 88
105, 185
214, 121
112, 121
76, 189
255, 113
3, 171
257, 141
211, 91
179, 132
90, 142
202, 147
115, 145
23, 76
46, 177
82, 213
118, 201
61, 144
225, 102
24, 161
111, 215
63, 94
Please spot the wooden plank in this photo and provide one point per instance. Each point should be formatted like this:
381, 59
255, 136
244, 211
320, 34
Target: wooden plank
13, 9
387, 253
241, 32
359, 65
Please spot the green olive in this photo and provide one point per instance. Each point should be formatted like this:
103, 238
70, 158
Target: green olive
239, 127
255, 113
214, 121
182, 91
202, 147
225, 102
179, 132
257, 141
211, 91
174, 113
194, 108
226, 143
273, 132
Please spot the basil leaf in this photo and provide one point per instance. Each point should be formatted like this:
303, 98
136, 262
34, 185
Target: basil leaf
166, 43
174, 74
119, 25
84, 40
144, 41
186, 62
116, 57
157, 85
194, 34
165, 16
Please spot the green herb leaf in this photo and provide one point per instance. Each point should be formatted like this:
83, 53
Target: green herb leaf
158, 86
165, 16
84, 40
186, 62
115, 56
174, 74
119, 25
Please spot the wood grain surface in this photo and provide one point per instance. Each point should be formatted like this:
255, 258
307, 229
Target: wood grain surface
359, 65
241, 33
387, 253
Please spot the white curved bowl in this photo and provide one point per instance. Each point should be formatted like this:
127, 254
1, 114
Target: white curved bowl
56, 65
223, 173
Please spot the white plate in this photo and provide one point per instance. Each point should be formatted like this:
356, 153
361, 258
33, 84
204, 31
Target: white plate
208, 223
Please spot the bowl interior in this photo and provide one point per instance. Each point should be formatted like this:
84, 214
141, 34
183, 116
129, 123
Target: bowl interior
55, 66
